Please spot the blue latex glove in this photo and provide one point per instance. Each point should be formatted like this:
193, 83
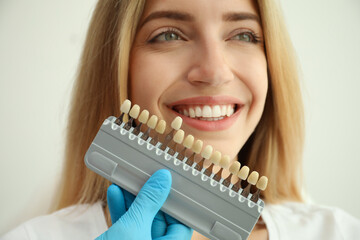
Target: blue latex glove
139, 218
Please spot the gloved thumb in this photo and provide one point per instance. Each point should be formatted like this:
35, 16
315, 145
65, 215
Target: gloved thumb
150, 199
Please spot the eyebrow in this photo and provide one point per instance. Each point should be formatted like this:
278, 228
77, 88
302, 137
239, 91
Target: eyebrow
239, 16
181, 16
175, 15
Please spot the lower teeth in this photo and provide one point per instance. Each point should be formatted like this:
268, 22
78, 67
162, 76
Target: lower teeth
211, 119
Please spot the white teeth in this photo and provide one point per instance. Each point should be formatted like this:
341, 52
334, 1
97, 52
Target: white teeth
216, 112
208, 113
198, 112
192, 113
223, 110
230, 111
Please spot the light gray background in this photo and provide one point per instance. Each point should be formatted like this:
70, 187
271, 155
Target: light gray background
40, 43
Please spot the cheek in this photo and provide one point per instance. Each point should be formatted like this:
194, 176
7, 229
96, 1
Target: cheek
147, 81
252, 71
151, 74
259, 84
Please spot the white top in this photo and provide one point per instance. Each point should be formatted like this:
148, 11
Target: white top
295, 221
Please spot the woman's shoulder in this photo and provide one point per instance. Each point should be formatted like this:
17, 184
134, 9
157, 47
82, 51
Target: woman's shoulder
293, 220
83, 221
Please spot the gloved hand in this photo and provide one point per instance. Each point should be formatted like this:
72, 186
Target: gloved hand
139, 218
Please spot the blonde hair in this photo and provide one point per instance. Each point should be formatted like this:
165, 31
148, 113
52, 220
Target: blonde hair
274, 149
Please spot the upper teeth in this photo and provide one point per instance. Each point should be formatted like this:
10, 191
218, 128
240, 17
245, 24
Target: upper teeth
206, 111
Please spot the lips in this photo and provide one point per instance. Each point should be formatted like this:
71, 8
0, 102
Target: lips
209, 113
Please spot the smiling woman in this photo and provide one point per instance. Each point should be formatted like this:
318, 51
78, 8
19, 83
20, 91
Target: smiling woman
198, 63
227, 69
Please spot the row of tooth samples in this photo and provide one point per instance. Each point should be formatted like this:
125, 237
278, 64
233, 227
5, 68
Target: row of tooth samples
176, 137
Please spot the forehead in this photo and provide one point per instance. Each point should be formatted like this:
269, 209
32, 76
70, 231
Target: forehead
202, 8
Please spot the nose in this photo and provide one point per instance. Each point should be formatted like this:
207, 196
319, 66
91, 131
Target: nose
209, 65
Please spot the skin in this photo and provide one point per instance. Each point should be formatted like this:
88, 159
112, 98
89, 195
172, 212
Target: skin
204, 55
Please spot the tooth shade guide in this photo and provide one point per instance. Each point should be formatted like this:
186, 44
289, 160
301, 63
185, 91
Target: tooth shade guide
209, 170
236, 187
224, 163
179, 136
217, 176
196, 148
151, 124
142, 119
124, 109
190, 161
215, 160
187, 143
181, 154
236, 210
173, 149
206, 154
175, 125
244, 173
200, 164
229, 175
177, 139
262, 183
261, 186
252, 179
228, 180
134, 113
160, 129
137, 129
125, 106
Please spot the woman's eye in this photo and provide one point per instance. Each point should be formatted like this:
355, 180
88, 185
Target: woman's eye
246, 36
166, 37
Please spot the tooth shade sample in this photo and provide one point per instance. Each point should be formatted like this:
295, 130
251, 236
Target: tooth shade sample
176, 123
234, 168
244, 172
125, 107
216, 157
189, 141
253, 177
262, 183
196, 148
225, 161
152, 122
160, 128
206, 153
144, 115
179, 136
134, 112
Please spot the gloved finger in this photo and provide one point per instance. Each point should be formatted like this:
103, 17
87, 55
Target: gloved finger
150, 198
116, 202
129, 199
159, 225
176, 230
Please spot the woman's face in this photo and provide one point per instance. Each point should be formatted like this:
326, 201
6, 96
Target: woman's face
202, 60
